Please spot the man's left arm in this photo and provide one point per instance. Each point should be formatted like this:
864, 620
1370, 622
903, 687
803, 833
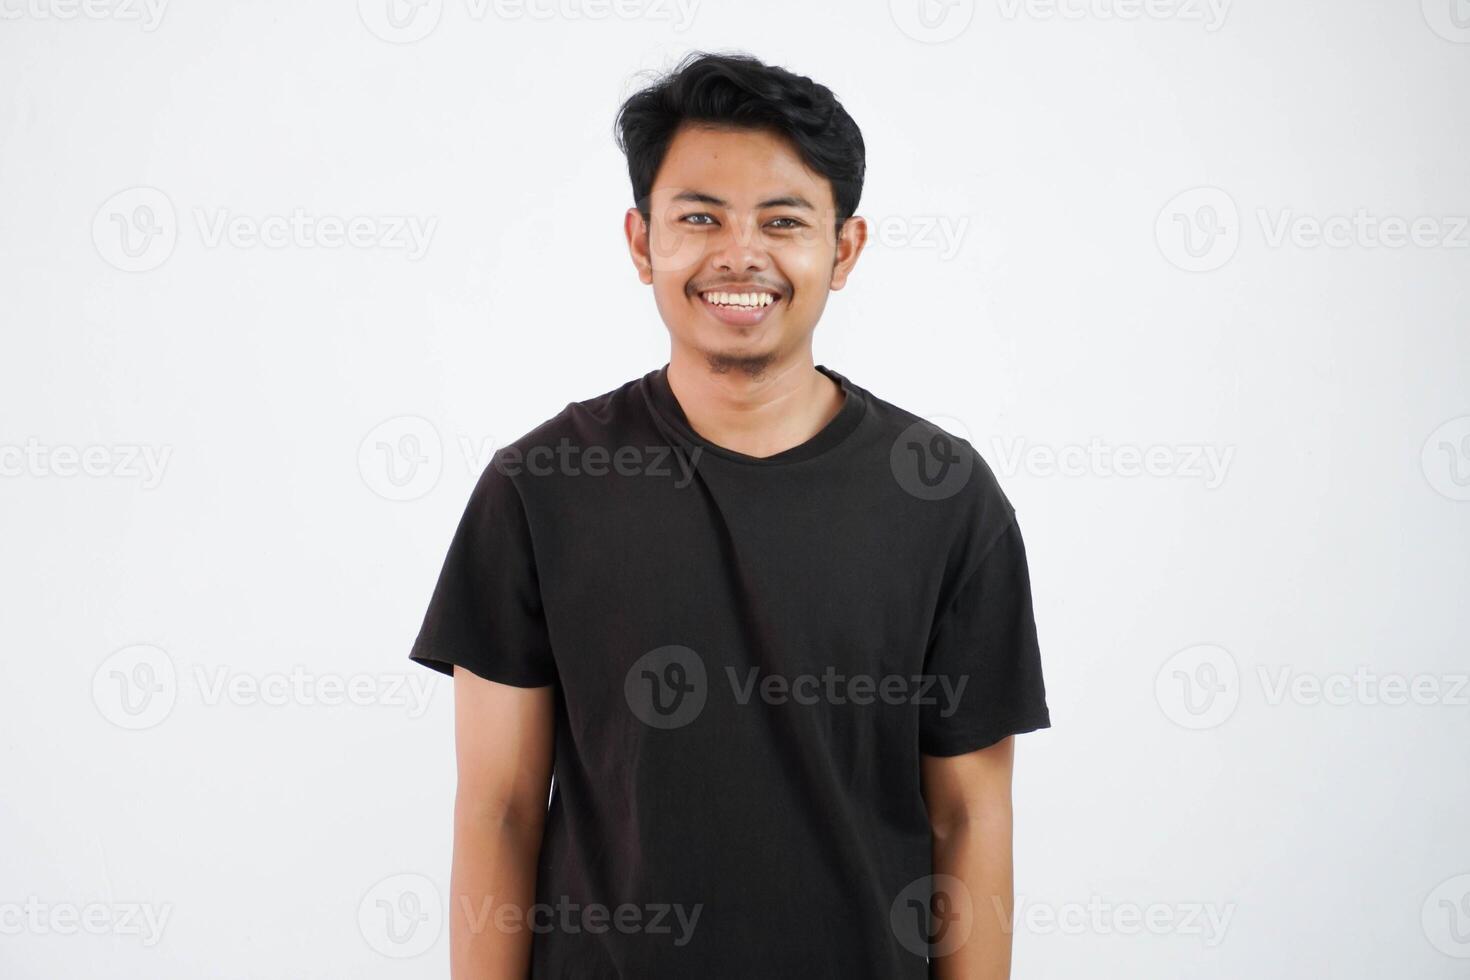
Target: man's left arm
969, 802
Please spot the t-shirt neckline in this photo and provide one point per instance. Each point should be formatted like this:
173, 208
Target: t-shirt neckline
838, 428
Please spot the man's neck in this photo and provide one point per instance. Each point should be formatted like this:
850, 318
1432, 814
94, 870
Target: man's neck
784, 406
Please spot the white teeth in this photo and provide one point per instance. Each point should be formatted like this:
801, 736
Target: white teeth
749, 300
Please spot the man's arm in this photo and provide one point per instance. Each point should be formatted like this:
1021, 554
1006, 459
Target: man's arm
969, 801
503, 743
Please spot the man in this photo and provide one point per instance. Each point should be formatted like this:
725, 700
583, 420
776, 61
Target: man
773, 634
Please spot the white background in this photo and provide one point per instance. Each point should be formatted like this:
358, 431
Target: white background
1079, 308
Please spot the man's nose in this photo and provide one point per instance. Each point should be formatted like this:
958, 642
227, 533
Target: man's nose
740, 247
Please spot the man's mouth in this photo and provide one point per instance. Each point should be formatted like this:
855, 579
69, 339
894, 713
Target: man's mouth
740, 306
746, 299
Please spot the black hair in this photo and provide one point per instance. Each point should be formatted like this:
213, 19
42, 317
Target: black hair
743, 92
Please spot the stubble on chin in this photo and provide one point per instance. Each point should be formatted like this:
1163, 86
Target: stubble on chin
753, 366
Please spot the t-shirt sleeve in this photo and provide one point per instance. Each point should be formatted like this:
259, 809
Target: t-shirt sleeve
984, 655
486, 614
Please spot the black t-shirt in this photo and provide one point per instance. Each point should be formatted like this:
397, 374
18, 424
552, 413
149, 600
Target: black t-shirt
749, 655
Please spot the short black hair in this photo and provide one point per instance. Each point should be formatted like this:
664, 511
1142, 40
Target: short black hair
743, 92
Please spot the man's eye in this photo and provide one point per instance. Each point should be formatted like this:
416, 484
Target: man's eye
792, 223
690, 218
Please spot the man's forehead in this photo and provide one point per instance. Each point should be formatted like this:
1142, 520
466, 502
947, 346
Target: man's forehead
738, 167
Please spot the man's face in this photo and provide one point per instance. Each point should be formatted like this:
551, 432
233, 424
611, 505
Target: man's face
736, 211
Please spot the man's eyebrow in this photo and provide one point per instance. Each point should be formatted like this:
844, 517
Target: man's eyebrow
785, 201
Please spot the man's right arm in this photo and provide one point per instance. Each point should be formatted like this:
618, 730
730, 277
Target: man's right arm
504, 738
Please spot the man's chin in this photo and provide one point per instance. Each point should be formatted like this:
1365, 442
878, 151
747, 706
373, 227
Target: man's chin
750, 356
726, 349
750, 364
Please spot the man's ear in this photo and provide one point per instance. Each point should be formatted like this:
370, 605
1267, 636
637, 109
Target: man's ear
636, 230
850, 242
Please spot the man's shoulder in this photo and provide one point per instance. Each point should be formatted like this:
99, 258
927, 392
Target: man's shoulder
935, 459
599, 420
592, 436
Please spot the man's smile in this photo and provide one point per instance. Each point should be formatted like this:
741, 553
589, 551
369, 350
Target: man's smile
739, 305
